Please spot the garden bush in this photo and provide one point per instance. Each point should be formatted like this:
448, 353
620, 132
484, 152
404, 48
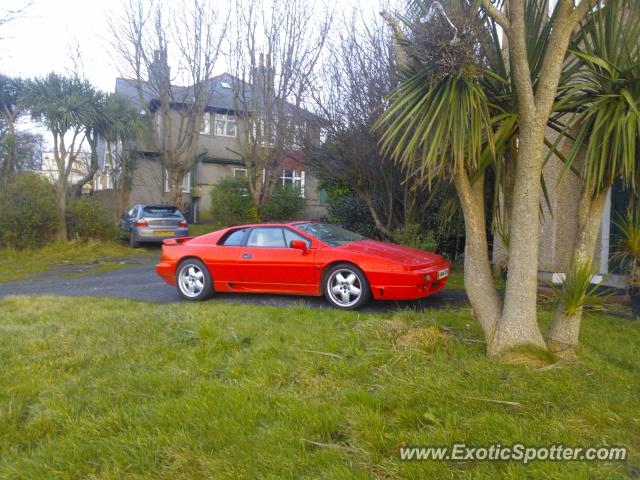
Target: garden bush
87, 219
412, 235
231, 203
285, 204
29, 213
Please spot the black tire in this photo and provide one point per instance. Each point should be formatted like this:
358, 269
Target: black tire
186, 278
343, 298
132, 242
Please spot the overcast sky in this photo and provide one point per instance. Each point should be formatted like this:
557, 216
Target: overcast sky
45, 36
41, 40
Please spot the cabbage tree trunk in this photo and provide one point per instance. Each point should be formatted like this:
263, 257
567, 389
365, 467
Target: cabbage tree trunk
61, 200
565, 329
478, 279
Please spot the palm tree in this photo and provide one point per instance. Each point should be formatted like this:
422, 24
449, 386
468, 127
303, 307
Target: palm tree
124, 125
95, 122
455, 116
61, 104
11, 109
604, 97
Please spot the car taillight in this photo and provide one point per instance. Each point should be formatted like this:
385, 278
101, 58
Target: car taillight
183, 223
142, 223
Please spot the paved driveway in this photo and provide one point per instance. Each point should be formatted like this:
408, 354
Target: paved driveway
141, 283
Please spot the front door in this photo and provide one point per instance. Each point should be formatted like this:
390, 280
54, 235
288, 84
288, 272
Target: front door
267, 263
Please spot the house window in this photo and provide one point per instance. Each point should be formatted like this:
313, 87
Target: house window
240, 172
293, 178
186, 182
261, 131
226, 125
224, 84
205, 126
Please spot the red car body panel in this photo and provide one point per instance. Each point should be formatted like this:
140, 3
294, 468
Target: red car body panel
394, 272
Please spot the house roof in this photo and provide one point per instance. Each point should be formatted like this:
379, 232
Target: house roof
221, 96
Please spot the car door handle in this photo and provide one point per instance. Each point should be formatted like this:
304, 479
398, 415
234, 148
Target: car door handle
246, 256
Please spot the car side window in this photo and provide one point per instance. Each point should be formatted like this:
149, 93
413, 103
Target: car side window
234, 239
266, 237
290, 236
132, 212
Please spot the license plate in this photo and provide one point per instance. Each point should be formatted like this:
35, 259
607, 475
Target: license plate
164, 233
443, 273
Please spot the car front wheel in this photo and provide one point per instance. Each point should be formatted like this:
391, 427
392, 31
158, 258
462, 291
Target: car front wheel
346, 286
193, 280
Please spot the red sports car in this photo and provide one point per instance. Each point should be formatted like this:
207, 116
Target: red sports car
302, 258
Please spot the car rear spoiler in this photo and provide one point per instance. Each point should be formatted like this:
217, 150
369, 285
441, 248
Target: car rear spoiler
176, 241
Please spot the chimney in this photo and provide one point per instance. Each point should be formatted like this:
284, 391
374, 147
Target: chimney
159, 71
264, 76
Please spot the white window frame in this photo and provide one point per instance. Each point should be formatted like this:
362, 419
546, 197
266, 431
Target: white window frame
239, 169
205, 125
186, 182
225, 120
297, 178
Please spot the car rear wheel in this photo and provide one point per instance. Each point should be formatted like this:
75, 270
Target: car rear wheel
346, 286
193, 280
132, 242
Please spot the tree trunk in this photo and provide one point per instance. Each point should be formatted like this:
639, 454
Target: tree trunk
518, 324
374, 214
478, 280
61, 200
564, 331
93, 167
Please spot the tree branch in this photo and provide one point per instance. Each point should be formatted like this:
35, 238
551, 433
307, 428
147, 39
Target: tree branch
500, 18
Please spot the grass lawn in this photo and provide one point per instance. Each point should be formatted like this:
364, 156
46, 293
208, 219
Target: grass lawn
196, 230
93, 388
101, 256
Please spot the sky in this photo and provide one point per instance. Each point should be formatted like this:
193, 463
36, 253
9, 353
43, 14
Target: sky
46, 36
42, 39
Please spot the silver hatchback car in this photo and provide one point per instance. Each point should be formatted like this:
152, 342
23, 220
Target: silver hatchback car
152, 223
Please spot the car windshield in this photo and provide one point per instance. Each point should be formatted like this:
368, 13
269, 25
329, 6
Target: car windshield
329, 234
161, 211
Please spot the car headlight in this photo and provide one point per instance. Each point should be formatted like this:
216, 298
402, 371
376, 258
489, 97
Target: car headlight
427, 278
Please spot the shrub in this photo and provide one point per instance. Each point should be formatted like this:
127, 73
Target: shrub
350, 211
87, 219
285, 204
231, 203
412, 235
29, 214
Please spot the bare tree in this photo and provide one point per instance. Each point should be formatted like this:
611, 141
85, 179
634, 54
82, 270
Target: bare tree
8, 15
357, 75
275, 48
174, 102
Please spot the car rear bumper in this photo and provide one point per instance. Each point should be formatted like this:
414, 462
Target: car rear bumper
157, 235
407, 285
167, 271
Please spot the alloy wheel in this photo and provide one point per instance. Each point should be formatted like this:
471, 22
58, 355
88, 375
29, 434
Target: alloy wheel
191, 280
344, 287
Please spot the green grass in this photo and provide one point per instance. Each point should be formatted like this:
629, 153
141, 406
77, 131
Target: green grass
111, 389
99, 256
196, 230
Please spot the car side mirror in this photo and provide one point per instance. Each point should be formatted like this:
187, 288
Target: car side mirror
298, 245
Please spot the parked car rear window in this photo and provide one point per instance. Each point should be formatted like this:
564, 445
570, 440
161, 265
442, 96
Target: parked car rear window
161, 212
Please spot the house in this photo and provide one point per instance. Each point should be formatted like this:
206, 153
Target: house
79, 169
222, 139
